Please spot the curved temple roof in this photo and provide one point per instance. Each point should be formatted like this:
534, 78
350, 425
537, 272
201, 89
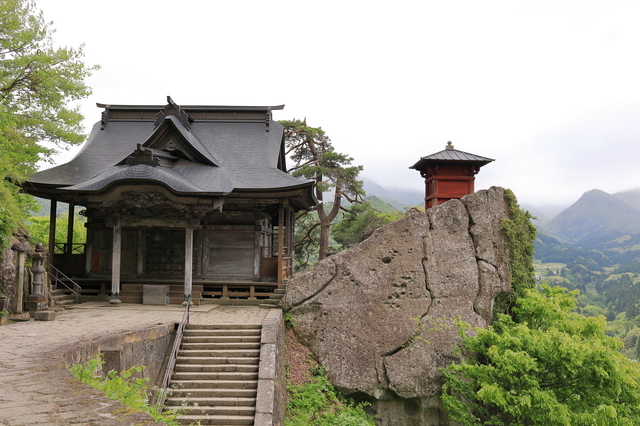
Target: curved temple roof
203, 151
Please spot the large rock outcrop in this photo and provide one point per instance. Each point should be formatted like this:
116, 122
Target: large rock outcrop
380, 317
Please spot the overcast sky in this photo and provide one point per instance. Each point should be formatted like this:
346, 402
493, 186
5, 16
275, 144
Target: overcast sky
550, 89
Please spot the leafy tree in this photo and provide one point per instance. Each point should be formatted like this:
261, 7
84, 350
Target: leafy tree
314, 157
546, 365
37, 82
359, 223
38, 228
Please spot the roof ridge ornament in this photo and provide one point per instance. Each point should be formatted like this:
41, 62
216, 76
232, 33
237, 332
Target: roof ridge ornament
173, 108
449, 145
142, 155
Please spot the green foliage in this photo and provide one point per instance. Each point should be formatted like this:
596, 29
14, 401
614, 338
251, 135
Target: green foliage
549, 366
315, 158
13, 207
122, 387
359, 223
38, 228
288, 320
37, 81
316, 403
520, 234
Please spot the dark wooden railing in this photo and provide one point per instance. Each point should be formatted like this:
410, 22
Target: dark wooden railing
171, 363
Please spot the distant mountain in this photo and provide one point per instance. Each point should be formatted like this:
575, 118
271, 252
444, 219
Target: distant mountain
381, 205
630, 197
596, 215
398, 198
540, 215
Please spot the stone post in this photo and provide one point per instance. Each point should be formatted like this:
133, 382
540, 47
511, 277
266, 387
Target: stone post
21, 248
37, 300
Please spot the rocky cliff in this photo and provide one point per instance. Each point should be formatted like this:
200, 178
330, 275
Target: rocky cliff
381, 316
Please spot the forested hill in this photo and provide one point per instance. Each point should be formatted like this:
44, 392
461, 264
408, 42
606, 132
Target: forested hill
594, 246
596, 215
600, 228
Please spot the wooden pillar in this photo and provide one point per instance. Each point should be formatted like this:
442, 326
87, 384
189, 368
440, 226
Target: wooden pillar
281, 230
88, 249
68, 248
115, 263
141, 248
52, 228
291, 240
188, 263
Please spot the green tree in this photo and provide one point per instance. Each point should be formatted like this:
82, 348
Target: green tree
315, 158
545, 365
359, 223
37, 82
38, 228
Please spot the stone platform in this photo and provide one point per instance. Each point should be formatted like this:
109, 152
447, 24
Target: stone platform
36, 387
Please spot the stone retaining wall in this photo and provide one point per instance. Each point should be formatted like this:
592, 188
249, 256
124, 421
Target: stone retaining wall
120, 352
272, 393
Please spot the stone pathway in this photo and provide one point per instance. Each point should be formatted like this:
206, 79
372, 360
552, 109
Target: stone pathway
37, 389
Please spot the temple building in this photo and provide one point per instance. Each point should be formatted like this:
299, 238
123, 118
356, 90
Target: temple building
448, 174
189, 196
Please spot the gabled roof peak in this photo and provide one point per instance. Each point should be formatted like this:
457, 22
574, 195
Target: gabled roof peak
174, 109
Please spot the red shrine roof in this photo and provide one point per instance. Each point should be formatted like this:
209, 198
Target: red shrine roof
449, 154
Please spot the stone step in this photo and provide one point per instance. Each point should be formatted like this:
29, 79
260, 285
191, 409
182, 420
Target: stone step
186, 385
276, 296
268, 305
209, 376
221, 339
213, 393
218, 360
212, 401
223, 332
216, 420
219, 353
198, 346
216, 410
242, 368
223, 326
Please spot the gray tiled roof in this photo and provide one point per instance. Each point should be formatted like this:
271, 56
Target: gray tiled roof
244, 154
451, 155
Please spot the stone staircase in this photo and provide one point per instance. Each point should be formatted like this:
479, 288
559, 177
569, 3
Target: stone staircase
275, 298
62, 300
216, 376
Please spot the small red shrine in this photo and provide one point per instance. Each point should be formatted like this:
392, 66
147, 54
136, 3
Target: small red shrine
448, 174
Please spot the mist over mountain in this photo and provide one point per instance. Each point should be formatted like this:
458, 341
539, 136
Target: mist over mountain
596, 220
399, 198
630, 197
596, 215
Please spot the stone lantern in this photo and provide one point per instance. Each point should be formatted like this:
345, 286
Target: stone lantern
37, 300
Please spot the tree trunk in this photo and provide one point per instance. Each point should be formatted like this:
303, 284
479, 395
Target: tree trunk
323, 250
